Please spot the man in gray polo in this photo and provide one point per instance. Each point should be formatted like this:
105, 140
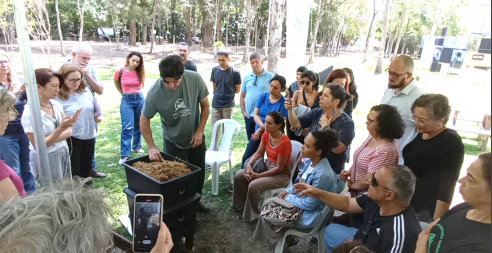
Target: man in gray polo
402, 91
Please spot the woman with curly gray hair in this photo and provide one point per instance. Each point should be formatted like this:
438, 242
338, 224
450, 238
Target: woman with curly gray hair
435, 156
10, 183
66, 217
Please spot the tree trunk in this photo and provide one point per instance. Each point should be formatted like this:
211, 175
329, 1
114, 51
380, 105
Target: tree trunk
226, 43
219, 22
81, 15
59, 28
248, 30
144, 33
277, 8
319, 14
152, 35
133, 24
369, 33
187, 13
379, 65
405, 37
267, 41
402, 20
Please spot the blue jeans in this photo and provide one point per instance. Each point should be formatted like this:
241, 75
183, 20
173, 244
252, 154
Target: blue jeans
250, 126
130, 110
14, 151
337, 234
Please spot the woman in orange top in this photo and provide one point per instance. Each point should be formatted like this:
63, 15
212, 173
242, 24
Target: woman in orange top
249, 183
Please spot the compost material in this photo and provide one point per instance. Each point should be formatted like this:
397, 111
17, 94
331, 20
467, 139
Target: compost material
163, 171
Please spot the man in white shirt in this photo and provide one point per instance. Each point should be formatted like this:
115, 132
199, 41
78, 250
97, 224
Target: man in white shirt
402, 91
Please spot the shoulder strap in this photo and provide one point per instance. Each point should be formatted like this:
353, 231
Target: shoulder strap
305, 99
121, 74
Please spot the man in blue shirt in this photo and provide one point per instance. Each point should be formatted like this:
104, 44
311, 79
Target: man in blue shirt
226, 84
254, 84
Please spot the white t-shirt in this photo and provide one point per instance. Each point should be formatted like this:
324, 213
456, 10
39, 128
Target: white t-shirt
85, 127
49, 124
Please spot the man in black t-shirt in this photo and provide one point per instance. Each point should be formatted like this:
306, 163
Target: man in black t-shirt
184, 52
390, 224
226, 82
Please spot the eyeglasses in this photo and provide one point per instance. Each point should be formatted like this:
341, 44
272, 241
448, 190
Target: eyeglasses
4, 62
371, 121
417, 120
76, 80
305, 82
375, 183
395, 75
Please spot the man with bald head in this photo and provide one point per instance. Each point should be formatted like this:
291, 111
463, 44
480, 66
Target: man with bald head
402, 91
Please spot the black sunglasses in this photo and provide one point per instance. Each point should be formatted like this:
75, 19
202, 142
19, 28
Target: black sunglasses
305, 82
375, 183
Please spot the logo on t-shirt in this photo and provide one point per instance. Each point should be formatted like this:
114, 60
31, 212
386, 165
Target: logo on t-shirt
180, 109
377, 230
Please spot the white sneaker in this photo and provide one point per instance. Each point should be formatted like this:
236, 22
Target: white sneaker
123, 160
139, 151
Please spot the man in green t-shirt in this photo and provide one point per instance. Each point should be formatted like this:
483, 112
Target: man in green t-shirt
178, 96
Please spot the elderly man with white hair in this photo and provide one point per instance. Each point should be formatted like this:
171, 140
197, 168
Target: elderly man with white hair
81, 56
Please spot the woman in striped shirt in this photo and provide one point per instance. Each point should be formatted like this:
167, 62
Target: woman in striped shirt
385, 125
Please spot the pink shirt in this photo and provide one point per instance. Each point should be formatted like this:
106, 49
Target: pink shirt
370, 160
129, 81
7, 172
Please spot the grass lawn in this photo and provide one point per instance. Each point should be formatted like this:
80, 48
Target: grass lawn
219, 232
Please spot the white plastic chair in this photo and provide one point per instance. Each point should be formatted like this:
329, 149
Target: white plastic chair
318, 231
216, 158
295, 158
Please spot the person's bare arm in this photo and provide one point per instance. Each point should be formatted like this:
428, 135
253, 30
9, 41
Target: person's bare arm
441, 208
154, 153
205, 112
7, 190
423, 241
362, 184
213, 89
95, 86
258, 120
295, 102
333, 200
238, 88
118, 87
294, 121
242, 102
340, 149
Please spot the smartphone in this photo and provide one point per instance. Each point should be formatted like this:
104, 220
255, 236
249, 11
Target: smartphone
147, 217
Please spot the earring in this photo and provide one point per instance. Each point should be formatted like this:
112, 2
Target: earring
333, 112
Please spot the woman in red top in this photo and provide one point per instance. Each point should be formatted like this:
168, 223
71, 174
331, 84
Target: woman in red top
250, 182
10, 183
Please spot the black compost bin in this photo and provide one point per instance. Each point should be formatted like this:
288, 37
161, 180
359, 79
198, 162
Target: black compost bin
174, 191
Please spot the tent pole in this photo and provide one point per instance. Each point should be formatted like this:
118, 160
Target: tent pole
43, 169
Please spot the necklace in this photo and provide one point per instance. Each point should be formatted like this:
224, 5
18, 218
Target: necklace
45, 106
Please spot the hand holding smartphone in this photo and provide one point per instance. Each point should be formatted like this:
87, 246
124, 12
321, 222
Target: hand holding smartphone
147, 218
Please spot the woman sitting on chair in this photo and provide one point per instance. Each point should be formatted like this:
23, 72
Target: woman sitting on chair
259, 174
316, 172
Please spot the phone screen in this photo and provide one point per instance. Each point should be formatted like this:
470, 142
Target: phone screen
147, 221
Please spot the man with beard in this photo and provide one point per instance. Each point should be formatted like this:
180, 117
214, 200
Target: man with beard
402, 91
81, 56
184, 52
